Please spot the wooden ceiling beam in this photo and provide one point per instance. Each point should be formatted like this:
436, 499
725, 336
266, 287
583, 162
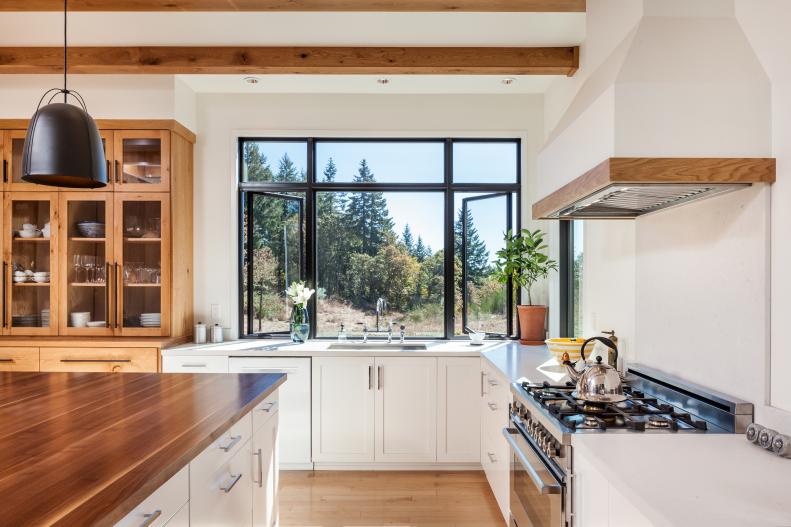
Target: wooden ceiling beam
300, 5
170, 60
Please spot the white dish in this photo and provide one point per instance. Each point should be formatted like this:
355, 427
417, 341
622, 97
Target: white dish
29, 234
20, 279
96, 324
41, 279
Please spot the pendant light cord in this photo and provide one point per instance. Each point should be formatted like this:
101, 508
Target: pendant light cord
65, 50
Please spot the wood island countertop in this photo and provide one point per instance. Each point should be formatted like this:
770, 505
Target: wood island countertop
80, 449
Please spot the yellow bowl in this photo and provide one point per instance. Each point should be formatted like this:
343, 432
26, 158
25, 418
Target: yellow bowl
568, 345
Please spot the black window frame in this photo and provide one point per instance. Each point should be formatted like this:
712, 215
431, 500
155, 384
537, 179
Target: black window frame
311, 186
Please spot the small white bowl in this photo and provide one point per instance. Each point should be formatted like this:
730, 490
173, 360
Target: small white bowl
29, 234
476, 339
20, 279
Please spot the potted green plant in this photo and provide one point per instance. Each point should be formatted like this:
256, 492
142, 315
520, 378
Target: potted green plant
524, 260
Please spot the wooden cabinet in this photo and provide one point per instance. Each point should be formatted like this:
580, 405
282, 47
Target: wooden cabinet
19, 359
113, 264
406, 409
343, 409
142, 161
142, 256
98, 359
30, 269
458, 391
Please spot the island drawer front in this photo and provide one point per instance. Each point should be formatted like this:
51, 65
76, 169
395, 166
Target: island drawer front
223, 495
99, 359
265, 410
223, 448
18, 359
162, 505
199, 364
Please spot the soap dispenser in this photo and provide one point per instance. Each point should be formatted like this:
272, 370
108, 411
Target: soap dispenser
342, 334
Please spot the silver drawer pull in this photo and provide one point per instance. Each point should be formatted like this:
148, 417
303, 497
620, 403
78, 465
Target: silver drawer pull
260, 456
268, 408
231, 443
234, 480
492, 382
492, 457
150, 518
194, 365
492, 406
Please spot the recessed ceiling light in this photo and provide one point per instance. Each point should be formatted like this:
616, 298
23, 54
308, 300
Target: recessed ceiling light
251, 80
383, 80
508, 81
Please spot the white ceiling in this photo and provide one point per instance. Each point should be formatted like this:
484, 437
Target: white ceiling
358, 29
338, 29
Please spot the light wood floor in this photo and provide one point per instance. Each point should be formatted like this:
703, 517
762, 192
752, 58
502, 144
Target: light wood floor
375, 499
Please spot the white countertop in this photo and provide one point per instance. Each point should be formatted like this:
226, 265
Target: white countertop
695, 479
286, 348
525, 363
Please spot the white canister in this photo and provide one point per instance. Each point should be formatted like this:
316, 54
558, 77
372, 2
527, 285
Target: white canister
200, 333
216, 333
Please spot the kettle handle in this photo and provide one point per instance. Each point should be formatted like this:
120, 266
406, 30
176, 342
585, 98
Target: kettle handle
604, 340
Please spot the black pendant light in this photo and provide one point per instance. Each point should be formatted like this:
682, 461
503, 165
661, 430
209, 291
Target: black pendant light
63, 147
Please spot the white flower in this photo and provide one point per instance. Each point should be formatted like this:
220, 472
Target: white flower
299, 294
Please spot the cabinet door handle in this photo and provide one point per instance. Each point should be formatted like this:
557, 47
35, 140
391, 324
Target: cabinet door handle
260, 456
268, 408
96, 360
482, 383
493, 382
234, 480
118, 286
5, 283
5, 171
492, 406
231, 443
117, 165
107, 322
492, 457
370, 377
379, 377
150, 518
7, 360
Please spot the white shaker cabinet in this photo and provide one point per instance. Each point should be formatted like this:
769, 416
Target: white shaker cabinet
294, 403
343, 409
265, 470
495, 453
458, 392
406, 409
194, 364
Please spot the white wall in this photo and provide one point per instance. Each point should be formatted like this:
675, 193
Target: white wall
221, 119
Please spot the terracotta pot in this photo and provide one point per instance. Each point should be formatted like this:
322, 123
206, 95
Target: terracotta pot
532, 324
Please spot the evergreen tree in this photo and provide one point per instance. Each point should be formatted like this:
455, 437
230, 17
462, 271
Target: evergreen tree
256, 167
408, 240
287, 170
421, 252
478, 266
331, 242
368, 220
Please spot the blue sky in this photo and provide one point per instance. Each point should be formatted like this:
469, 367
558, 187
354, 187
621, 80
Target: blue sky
418, 162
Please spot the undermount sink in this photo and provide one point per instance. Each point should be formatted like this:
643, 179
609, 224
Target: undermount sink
376, 346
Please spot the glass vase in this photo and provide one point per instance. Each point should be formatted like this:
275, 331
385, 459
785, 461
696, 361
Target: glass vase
300, 324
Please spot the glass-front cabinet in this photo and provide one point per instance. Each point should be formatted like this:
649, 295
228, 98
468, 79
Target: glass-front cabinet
86, 264
142, 161
30, 242
142, 227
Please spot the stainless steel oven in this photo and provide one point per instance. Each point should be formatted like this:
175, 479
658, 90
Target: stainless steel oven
538, 489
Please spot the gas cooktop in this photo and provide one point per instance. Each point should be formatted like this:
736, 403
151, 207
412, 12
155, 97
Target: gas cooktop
638, 412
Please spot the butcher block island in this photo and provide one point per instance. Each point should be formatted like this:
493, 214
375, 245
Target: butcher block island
134, 449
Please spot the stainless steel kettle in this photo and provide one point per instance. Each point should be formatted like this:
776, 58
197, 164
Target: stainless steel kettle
596, 383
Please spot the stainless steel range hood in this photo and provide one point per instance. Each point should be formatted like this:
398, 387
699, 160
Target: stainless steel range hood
628, 187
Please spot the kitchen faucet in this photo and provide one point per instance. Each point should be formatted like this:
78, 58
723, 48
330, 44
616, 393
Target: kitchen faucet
381, 311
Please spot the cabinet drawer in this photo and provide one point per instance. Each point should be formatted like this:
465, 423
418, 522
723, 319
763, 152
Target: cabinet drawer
265, 410
496, 462
222, 449
18, 359
162, 505
195, 364
223, 495
99, 359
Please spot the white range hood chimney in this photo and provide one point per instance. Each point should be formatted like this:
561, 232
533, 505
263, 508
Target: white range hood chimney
684, 83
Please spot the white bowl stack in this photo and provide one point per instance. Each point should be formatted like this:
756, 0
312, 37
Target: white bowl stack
45, 318
151, 320
80, 319
41, 277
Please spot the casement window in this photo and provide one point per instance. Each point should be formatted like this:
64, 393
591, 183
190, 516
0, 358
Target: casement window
412, 225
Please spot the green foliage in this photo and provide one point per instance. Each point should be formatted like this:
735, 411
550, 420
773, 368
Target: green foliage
368, 220
407, 239
478, 267
523, 260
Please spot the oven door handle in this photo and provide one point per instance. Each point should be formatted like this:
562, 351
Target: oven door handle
529, 460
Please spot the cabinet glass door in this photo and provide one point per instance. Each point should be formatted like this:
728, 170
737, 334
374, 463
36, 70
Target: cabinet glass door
86, 255
30, 264
12, 163
142, 234
142, 161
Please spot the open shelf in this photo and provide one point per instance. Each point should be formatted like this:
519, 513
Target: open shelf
39, 239
88, 240
31, 284
143, 240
